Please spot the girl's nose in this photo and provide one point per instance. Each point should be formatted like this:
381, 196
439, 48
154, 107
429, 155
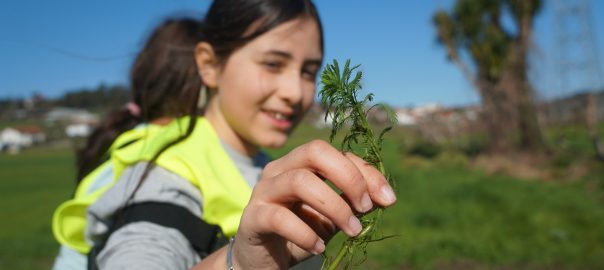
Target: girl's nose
291, 88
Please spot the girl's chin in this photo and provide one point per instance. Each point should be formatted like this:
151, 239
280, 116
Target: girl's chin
275, 142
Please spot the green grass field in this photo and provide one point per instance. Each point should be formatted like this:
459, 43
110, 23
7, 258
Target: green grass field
32, 184
448, 215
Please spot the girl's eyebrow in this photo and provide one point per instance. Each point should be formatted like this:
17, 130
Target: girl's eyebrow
314, 62
289, 56
279, 53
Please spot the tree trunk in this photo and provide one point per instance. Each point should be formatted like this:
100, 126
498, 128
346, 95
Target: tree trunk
531, 138
496, 116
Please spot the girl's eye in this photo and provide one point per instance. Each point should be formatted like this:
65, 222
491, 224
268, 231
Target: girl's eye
272, 66
309, 74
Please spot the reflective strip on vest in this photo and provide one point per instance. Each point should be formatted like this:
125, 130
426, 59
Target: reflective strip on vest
200, 159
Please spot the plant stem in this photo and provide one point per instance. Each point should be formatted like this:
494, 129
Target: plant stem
339, 94
341, 254
345, 248
374, 147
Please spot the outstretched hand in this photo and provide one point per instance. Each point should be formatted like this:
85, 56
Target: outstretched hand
293, 211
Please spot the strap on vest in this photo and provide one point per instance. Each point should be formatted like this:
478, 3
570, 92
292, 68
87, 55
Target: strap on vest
205, 238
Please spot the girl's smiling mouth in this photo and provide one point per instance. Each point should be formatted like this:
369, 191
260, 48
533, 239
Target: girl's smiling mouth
281, 120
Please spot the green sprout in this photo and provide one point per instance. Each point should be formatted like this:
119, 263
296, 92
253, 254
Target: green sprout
339, 94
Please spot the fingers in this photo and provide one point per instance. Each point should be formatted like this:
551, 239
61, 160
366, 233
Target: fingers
293, 201
379, 189
317, 221
301, 185
273, 218
322, 159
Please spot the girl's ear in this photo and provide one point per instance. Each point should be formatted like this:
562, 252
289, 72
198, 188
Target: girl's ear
207, 64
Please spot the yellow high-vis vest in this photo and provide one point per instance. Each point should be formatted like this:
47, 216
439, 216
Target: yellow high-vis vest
200, 159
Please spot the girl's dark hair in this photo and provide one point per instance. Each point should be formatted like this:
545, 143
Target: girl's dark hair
163, 77
166, 82
230, 24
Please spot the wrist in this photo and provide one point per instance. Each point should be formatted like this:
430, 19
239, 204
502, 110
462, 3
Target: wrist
231, 261
229, 255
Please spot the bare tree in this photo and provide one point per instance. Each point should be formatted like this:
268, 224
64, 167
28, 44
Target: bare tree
473, 30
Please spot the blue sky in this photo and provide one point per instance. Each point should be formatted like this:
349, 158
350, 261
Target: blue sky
56, 46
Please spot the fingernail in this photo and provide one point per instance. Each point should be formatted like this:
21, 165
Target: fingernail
354, 226
319, 247
366, 203
388, 194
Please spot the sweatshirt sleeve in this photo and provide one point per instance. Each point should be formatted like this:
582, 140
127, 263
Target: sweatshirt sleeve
144, 245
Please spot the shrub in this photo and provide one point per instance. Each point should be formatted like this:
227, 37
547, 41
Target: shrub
425, 149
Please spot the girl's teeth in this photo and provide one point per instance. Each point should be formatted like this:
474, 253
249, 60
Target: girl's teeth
280, 116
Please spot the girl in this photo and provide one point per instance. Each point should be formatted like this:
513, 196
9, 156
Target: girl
259, 60
163, 77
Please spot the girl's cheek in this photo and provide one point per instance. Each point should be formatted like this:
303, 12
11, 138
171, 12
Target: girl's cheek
266, 84
309, 101
310, 94
311, 98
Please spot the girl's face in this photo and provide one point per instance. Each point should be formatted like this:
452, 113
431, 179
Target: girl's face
265, 87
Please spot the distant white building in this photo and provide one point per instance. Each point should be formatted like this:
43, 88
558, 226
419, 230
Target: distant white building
71, 115
426, 109
78, 130
411, 116
405, 117
14, 139
11, 137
